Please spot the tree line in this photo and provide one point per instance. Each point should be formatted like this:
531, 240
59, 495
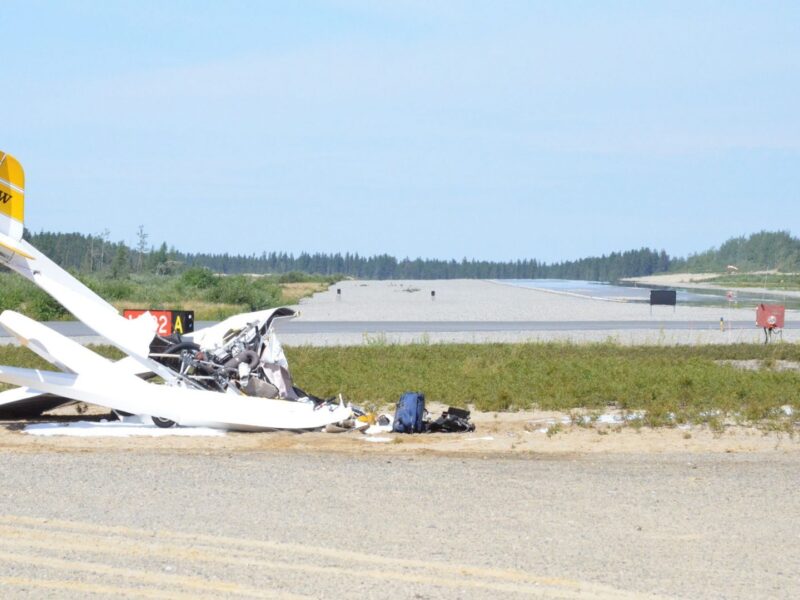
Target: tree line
764, 250
85, 253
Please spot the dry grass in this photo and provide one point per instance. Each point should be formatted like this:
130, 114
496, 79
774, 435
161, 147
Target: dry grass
203, 311
293, 292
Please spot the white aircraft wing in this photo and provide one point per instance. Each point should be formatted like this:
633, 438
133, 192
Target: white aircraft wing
197, 408
23, 402
91, 378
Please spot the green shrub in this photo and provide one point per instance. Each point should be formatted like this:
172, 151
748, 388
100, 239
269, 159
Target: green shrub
294, 277
21, 295
112, 289
13, 290
199, 277
44, 307
254, 293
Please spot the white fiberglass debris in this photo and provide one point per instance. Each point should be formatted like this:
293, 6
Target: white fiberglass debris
374, 429
115, 429
711, 413
480, 439
377, 439
787, 410
604, 419
608, 419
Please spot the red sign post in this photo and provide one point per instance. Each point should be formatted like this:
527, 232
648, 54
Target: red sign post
770, 316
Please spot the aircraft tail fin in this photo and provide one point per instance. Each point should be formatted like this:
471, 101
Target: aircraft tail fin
12, 196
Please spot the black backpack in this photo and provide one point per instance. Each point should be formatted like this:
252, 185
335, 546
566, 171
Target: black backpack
452, 420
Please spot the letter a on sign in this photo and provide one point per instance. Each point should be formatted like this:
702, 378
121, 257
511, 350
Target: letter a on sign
178, 326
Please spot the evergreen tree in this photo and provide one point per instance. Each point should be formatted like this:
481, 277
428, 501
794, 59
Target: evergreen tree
120, 266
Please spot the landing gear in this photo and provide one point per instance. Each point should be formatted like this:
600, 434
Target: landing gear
163, 423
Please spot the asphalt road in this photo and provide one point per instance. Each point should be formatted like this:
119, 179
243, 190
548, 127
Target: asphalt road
78, 329
262, 525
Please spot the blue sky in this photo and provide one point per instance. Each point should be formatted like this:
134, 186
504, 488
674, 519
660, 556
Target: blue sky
493, 130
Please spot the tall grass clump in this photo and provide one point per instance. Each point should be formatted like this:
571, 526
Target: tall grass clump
672, 384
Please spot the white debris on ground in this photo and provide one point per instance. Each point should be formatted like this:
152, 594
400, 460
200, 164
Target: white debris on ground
377, 429
604, 419
116, 429
546, 425
610, 419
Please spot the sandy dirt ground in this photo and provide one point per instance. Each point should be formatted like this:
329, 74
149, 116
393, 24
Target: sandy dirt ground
502, 434
673, 278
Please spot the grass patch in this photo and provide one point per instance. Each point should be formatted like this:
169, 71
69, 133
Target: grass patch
293, 292
669, 384
772, 281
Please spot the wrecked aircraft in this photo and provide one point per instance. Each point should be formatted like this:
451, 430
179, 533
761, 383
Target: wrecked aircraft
233, 375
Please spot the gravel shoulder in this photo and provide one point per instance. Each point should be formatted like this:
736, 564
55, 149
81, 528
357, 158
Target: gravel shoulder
266, 524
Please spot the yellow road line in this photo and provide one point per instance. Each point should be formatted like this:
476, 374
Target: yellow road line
96, 588
48, 542
391, 566
196, 583
333, 553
